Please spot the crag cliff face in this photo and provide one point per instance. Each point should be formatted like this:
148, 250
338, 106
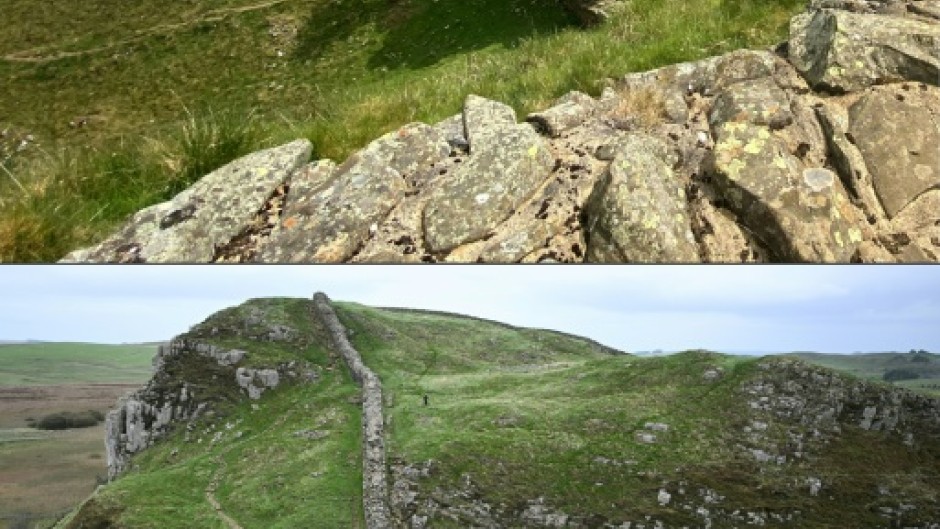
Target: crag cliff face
822, 150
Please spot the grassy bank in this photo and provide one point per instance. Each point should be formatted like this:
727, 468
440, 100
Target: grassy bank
108, 92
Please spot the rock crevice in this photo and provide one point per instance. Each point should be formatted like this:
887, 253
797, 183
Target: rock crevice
374, 472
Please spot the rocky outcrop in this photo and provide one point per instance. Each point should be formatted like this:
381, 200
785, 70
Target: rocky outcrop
192, 378
195, 223
821, 150
374, 475
256, 381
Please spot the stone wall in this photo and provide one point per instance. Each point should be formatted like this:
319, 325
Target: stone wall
374, 472
822, 149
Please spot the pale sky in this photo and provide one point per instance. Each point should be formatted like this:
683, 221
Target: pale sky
633, 308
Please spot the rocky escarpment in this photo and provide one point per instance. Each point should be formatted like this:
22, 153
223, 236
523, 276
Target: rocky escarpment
823, 149
195, 378
374, 474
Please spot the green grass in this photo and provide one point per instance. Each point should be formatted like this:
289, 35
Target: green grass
271, 478
51, 363
347, 72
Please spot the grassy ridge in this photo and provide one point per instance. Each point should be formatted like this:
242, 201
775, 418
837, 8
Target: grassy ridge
339, 72
525, 418
64, 363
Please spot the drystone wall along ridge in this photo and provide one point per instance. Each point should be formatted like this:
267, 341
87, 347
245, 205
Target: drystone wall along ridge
822, 149
374, 472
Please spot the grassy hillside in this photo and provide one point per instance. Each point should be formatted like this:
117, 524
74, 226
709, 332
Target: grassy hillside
515, 416
248, 456
519, 422
37, 364
146, 99
873, 366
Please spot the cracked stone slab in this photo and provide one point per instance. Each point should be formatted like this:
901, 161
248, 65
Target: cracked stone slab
487, 188
574, 109
799, 213
637, 210
483, 117
330, 223
207, 215
901, 153
847, 51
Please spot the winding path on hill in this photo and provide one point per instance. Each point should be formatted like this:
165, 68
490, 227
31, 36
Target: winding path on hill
213, 15
375, 503
210, 495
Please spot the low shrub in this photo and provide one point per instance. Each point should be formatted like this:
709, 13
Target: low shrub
65, 420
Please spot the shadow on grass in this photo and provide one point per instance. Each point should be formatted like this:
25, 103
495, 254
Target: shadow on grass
418, 33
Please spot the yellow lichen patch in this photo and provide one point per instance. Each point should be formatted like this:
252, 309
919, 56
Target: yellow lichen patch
533, 150
838, 238
733, 168
755, 146
651, 221
779, 162
855, 235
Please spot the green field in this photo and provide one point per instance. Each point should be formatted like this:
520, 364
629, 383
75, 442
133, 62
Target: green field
169, 94
873, 366
40, 364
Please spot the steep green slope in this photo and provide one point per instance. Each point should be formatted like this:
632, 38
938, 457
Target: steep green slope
290, 459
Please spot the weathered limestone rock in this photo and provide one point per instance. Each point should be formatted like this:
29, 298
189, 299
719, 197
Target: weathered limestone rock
215, 209
901, 152
847, 160
176, 347
637, 211
507, 163
844, 51
332, 224
593, 12
484, 117
760, 102
256, 381
575, 108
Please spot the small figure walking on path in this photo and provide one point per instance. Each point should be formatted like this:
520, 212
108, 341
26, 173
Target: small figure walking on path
425, 399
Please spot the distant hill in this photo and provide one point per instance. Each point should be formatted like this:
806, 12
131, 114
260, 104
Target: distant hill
253, 419
923, 365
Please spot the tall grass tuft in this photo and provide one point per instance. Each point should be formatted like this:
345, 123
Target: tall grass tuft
58, 201
209, 140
